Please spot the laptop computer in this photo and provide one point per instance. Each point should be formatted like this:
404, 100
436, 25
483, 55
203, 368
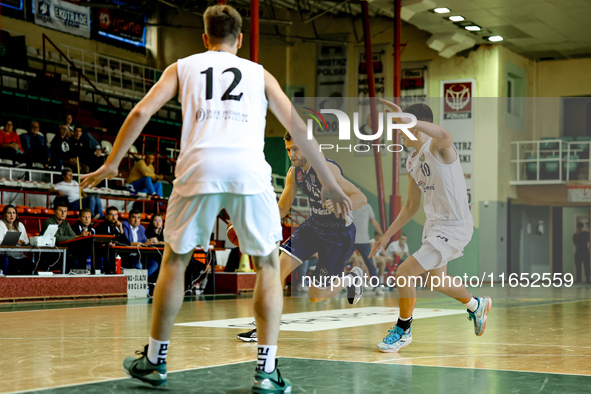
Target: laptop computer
11, 238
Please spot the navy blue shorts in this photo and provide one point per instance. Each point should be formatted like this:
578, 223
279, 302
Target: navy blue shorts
333, 247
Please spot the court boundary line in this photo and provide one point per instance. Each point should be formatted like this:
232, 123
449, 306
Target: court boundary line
441, 366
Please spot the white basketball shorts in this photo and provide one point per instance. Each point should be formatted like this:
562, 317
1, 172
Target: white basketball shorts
443, 241
190, 221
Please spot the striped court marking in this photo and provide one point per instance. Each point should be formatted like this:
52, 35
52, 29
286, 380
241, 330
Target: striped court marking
330, 319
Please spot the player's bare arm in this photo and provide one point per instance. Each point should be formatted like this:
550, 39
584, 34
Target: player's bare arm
162, 92
442, 145
358, 199
288, 195
281, 107
409, 209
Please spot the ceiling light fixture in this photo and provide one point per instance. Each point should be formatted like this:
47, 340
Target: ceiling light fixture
495, 38
441, 10
456, 18
472, 28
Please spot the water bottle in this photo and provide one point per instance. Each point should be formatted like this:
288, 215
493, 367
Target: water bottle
88, 264
118, 264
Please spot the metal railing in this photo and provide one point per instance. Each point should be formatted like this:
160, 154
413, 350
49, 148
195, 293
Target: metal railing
550, 161
78, 71
101, 68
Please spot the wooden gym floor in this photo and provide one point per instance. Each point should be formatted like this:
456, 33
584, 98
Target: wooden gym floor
534, 342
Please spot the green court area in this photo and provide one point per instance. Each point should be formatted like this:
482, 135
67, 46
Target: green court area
321, 376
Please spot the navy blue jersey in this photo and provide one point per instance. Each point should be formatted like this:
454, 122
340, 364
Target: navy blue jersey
308, 182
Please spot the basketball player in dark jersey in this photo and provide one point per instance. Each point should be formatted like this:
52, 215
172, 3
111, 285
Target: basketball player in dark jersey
332, 237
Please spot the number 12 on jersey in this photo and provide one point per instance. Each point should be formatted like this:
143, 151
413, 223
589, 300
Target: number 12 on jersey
227, 96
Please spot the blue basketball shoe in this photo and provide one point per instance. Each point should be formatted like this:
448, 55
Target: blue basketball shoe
396, 339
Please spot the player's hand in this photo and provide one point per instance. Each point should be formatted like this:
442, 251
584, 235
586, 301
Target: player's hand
94, 178
378, 245
333, 195
393, 107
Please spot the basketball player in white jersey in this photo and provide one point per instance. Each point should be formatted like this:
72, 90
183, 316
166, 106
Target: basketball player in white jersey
434, 170
221, 165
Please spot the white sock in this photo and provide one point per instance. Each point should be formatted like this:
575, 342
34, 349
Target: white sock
472, 305
157, 351
266, 358
405, 319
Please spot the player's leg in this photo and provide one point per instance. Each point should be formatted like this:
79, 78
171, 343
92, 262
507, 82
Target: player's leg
287, 265
189, 223
296, 249
168, 298
268, 304
333, 255
406, 277
258, 227
478, 307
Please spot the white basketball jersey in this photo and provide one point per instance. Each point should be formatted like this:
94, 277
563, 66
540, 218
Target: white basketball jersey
443, 185
223, 134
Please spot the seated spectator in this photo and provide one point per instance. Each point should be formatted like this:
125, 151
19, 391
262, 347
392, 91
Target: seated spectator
112, 226
69, 188
136, 235
155, 230
35, 146
64, 231
87, 149
83, 227
399, 248
10, 145
143, 178
12, 263
60, 148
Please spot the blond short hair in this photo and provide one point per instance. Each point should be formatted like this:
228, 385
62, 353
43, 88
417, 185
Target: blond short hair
222, 23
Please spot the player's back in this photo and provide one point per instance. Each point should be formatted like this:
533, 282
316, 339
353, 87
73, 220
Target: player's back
224, 107
443, 185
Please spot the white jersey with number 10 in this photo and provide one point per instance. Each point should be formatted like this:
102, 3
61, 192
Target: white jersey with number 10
443, 185
224, 108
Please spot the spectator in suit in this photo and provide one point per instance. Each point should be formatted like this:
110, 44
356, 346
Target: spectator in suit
136, 235
10, 145
69, 188
83, 227
35, 146
155, 230
12, 263
143, 178
60, 148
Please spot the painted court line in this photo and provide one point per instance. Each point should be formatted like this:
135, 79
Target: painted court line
330, 319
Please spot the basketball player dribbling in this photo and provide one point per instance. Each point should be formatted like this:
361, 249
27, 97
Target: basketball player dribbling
331, 237
434, 170
221, 165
